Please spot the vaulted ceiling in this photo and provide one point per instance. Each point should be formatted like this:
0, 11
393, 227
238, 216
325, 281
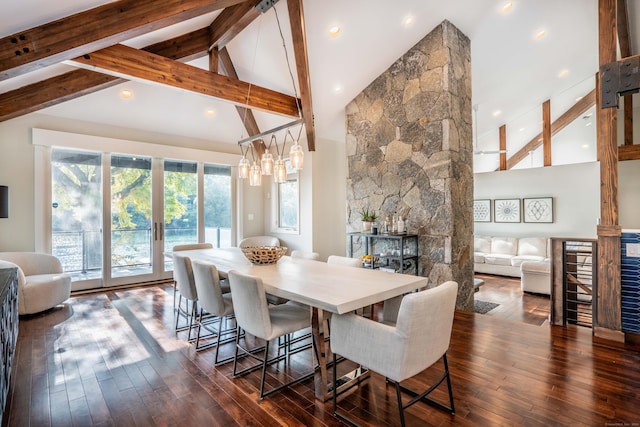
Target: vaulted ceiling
162, 52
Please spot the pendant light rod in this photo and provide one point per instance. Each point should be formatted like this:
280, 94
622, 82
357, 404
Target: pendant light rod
271, 131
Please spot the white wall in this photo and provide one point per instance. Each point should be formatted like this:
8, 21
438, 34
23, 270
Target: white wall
330, 198
576, 197
629, 193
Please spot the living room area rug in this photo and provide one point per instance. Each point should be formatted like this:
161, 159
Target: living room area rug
483, 307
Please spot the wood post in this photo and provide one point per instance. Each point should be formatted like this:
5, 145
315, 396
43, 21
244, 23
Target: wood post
608, 321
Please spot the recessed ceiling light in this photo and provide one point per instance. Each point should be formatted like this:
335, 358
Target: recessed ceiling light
126, 94
407, 22
588, 124
563, 73
497, 113
539, 34
337, 89
507, 7
210, 112
585, 145
334, 31
521, 130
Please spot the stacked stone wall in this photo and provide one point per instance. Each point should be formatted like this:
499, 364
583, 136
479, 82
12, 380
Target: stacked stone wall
410, 153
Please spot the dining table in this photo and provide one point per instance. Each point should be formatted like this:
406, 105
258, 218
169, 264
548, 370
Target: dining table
326, 288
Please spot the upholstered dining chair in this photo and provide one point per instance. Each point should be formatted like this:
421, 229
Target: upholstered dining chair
185, 284
418, 340
259, 241
256, 317
187, 247
343, 260
296, 253
215, 307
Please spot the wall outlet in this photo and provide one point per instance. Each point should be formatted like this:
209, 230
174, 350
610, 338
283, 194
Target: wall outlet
633, 250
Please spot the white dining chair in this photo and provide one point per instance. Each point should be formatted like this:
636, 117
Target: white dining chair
296, 253
343, 260
418, 340
187, 247
216, 307
185, 285
259, 241
254, 316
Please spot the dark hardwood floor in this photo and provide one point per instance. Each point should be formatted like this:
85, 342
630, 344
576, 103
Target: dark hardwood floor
514, 304
112, 359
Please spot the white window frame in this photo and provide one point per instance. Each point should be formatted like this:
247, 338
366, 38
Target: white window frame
292, 175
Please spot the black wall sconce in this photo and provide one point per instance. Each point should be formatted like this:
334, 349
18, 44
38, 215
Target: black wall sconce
4, 201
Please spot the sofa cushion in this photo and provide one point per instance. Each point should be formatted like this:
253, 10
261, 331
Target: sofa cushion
517, 260
482, 244
536, 246
504, 245
497, 259
478, 257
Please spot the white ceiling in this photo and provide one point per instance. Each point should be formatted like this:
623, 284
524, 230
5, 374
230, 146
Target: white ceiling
511, 71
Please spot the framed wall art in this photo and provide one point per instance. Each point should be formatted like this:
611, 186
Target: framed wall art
538, 210
506, 210
482, 210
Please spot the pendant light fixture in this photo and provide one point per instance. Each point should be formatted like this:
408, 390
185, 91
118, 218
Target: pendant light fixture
243, 166
255, 175
267, 165
296, 155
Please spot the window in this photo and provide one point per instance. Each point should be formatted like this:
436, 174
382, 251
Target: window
217, 205
287, 203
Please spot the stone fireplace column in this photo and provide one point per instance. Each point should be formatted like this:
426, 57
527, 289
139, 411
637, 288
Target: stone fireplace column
410, 152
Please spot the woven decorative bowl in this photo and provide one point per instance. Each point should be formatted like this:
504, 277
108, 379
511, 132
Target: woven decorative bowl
264, 254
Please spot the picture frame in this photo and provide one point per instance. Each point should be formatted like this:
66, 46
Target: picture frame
506, 210
482, 210
538, 210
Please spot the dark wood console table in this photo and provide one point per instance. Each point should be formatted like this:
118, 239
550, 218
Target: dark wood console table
393, 251
9, 330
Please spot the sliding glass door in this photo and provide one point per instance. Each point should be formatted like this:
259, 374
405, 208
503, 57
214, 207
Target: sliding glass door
76, 212
147, 206
132, 235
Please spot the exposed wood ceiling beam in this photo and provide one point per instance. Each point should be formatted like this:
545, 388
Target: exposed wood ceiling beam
246, 115
74, 84
622, 23
231, 22
298, 34
124, 60
569, 116
546, 132
624, 41
629, 152
503, 147
95, 29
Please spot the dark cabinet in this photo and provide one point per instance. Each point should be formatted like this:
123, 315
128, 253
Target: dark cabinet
9, 332
391, 252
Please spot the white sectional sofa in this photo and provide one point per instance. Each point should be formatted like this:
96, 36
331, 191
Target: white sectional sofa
505, 255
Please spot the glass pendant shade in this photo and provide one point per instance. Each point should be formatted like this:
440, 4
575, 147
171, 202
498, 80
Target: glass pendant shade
296, 156
280, 171
255, 175
243, 168
267, 163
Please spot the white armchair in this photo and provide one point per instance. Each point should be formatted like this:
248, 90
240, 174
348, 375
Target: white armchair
418, 340
41, 282
259, 241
